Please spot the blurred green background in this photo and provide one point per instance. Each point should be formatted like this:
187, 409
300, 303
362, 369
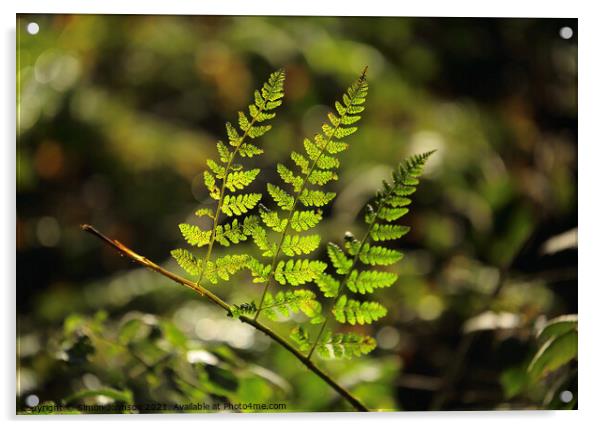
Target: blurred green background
117, 114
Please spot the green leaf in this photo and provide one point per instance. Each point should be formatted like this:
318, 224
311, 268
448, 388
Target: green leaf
306, 219
383, 232
378, 255
352, 311
321, 177
282, 198
298, 245
259, 271
345, 345
299, 335
284, 304
315, 198
205, 212
194, 235
248, 150
236, 231
260, 238
289, 177
391, 214
240, 179
272, 220
187, 261
224, 153
297, 272
556, 352
338, 259
366, 281
227, 266
558, 326
328, 285
239, 204
218, 170
209, 180
301, 162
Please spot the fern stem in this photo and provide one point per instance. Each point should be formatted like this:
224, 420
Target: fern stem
147, 263
294, 206
343, 284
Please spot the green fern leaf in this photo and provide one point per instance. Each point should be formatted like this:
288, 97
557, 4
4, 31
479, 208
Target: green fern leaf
338, 259
351, 311
310, 198
205, 212
239, 204
297, 272
321, 177
236, 231
378, 255
225, 155
391, 214
260, 237
218, 170
248, 150
228, 265
284, 304
306, 219
259, 271
194, 235
284, 200
289, 177
344, 346
240, 179
328, 285
298, 245
301, 162
190, 263
209, 180
271, 219
383, 232
366, 281
299, 335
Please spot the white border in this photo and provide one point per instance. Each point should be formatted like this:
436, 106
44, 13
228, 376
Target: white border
590, 141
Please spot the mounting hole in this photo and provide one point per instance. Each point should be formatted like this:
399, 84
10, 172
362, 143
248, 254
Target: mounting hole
566, 396
566, 33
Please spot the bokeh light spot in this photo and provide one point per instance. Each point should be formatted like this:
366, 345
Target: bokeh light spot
48, 231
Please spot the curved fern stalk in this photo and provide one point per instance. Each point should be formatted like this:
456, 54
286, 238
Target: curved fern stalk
316, 168
389, 204
233, 178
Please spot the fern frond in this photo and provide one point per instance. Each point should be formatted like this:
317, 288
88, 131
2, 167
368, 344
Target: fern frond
194, 235
260, 237
328, 285
186, 260
300, 336
271, 219
240, 179
351, 311
316, 167
306, 219
378, 255
298, 245
383, 232
282, 198
259, 271
205, 212
315, 198
345, 345
338, 259
210, 184
227, 266
236, 231
297, 272
239, 204
248, 150
366, 281
284, 304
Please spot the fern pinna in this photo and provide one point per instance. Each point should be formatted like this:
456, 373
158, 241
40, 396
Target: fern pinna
390, 204
311, 171
223, 179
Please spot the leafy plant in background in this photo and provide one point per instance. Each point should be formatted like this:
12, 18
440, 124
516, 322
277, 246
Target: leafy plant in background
282, 234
